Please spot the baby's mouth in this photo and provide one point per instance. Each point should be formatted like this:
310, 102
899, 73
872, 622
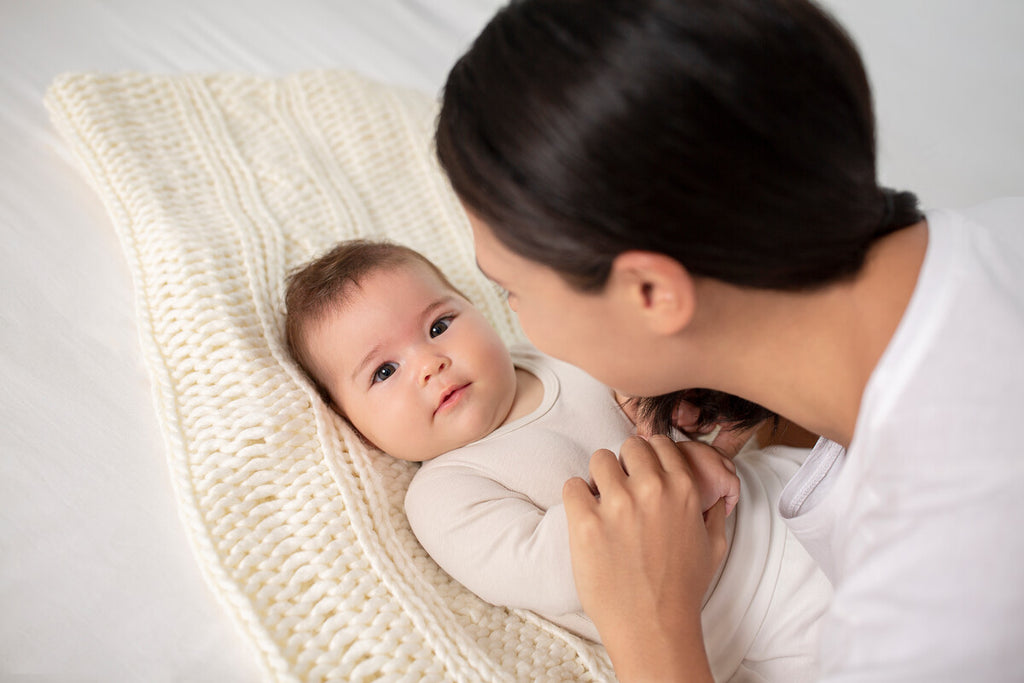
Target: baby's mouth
450, 397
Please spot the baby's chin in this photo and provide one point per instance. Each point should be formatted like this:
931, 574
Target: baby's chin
414, 455
454, 446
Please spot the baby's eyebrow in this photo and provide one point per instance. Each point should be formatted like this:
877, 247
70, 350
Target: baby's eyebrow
427, 313
366, 360
440, 303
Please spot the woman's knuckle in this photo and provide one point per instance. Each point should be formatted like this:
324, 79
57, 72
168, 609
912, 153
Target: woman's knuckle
650, 488
587, 527
619, 506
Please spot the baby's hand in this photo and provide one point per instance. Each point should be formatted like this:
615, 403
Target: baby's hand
646, 428
686, 417
713, 472
727, 441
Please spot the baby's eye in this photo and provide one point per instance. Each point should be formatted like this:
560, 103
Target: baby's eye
440, 326
384, 371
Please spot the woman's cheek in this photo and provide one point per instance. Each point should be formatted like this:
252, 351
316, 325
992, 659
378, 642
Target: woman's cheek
537, 334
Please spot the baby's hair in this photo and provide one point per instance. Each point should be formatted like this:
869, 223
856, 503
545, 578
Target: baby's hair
324, 284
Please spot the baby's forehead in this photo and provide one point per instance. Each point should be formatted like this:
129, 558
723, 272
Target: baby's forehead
392, 285
409, 273
358, 284
431, 274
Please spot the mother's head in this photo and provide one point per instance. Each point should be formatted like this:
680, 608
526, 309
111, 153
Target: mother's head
734, 136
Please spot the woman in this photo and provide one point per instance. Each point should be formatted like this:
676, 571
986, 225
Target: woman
682, 193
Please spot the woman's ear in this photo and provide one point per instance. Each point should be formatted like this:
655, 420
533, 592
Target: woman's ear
658, 289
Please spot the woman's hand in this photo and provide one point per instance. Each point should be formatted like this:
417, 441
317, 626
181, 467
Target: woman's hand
644, 554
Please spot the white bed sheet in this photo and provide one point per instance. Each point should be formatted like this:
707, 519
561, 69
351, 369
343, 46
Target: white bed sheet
97, 581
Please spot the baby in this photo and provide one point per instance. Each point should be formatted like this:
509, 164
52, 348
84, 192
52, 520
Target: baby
418, 371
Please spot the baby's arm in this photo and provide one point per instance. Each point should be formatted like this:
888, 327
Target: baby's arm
493, 540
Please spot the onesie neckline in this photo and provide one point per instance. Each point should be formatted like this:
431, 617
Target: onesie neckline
525, 359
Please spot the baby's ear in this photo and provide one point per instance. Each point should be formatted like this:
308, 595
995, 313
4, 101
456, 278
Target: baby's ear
362, 438
660, 289
325, 396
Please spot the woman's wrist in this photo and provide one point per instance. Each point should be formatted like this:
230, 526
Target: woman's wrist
662, 655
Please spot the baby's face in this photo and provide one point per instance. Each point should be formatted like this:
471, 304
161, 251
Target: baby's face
414, 366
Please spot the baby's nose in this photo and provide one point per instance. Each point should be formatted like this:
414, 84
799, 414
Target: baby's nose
433, 365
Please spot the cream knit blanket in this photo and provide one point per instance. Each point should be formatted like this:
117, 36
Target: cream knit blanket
217, 186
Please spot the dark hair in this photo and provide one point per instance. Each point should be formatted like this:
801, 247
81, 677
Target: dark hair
322, 285
736, 136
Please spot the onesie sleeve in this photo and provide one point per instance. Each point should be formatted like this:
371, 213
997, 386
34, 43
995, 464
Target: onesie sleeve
494, 541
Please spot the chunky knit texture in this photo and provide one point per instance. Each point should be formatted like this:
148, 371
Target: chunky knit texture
217, 186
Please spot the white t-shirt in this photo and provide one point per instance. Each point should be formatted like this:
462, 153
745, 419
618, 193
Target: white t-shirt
491, 515
918, 524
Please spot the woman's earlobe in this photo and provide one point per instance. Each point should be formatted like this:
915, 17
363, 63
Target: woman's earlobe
661, 288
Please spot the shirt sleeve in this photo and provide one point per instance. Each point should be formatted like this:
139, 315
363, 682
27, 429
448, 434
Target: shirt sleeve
494, 541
